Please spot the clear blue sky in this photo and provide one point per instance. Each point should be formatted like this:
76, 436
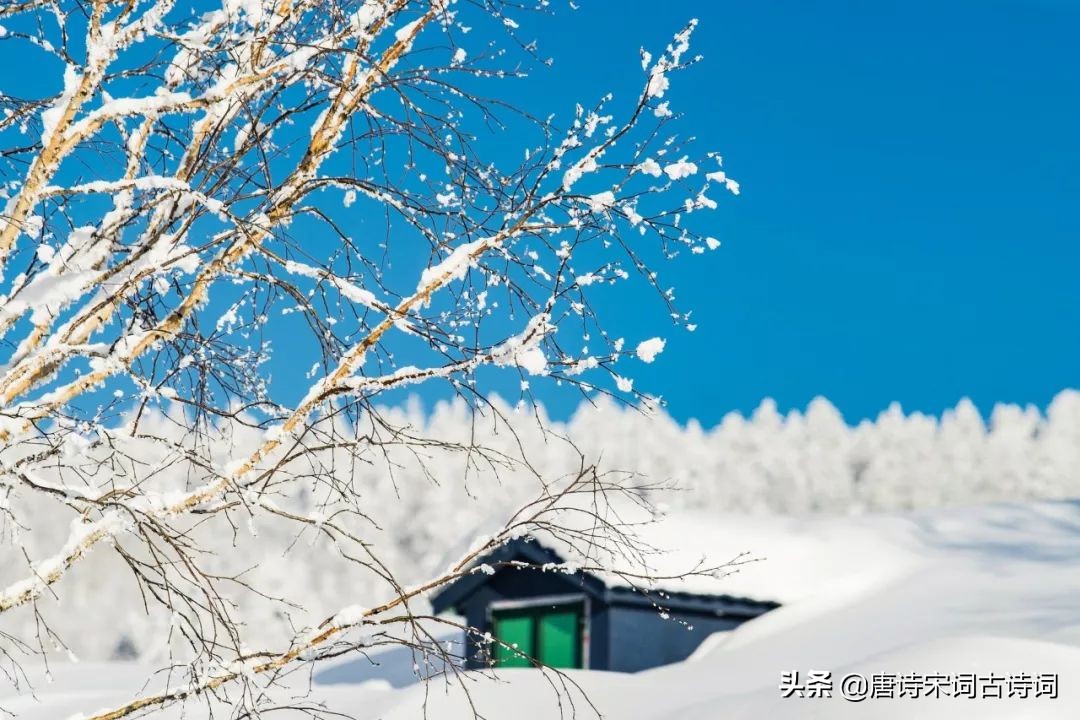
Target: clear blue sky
908, 228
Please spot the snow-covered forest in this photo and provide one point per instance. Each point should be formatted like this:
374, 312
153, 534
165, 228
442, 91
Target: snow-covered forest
801, 462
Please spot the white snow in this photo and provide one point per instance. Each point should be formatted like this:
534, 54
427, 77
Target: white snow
650, 167
680, 169
405, 31
52, 115
981, 589
582, 167
658, 82
348, 290
350, 615
524, 350
80, 539
647, 350
532, 360
601, 201
455, 265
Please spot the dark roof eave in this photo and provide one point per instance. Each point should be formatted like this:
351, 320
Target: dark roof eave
456, 593
726, 605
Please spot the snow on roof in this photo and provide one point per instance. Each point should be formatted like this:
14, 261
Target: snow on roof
772, 558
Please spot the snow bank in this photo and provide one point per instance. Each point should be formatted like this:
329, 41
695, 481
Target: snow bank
978, 589
772, 558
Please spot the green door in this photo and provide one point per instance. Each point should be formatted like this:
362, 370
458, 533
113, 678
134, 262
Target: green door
517, 630
560, 640
550, 635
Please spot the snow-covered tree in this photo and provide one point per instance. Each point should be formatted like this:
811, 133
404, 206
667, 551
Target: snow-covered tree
197, 189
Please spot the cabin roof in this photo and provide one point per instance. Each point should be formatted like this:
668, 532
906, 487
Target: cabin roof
605, 587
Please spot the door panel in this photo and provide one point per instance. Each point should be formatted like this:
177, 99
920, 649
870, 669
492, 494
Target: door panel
560, 639
517, 629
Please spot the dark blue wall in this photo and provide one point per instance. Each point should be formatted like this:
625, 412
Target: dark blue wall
640, 638
626, 636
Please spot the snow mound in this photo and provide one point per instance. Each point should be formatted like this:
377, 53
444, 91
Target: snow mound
981, 655
766, 558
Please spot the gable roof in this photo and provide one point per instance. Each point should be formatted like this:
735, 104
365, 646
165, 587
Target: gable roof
607, 588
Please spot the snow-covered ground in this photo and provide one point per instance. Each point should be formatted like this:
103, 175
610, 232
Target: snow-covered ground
991, 589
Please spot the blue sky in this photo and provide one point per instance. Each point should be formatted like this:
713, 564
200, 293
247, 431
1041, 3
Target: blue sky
907, 229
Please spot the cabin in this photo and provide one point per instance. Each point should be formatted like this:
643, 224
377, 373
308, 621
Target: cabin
580, 620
